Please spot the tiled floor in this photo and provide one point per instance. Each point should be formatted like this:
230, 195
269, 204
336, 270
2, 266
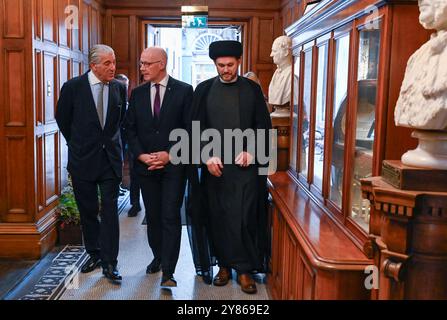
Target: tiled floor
136, 285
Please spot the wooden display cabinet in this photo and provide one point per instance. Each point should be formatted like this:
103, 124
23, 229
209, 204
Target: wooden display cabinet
349, 59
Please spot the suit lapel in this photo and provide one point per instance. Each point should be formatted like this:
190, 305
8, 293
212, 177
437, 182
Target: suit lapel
111, 105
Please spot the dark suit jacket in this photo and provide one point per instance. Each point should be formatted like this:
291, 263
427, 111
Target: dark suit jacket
78, 121
145, 134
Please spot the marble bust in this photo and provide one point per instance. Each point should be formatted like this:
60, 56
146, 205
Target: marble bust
422, 103
280, 85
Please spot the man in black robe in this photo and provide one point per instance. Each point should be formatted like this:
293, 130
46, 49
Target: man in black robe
228, 197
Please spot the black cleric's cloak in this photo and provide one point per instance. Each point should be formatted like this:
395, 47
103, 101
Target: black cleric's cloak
253, 115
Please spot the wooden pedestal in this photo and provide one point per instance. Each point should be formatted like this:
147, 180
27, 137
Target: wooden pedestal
408, 241
282, 125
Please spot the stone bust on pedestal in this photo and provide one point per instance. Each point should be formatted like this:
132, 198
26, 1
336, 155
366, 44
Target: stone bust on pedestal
279, 98
280, 85
422, 103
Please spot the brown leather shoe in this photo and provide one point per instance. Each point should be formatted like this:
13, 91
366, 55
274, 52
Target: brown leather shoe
248, 285
222, 277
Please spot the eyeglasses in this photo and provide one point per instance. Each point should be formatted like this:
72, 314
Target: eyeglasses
147, 64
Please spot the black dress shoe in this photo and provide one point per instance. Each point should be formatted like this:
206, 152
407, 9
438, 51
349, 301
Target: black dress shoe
91, 264
111, 272
133, 211
154, 266
167, 280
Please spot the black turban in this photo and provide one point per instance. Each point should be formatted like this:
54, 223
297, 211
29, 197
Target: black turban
225, 48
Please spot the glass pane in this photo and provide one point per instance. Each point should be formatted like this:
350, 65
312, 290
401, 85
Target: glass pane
295, 114
307, 91
339, 119
320, 116
366, 110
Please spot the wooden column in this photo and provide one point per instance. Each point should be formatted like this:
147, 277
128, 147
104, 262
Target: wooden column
408, 240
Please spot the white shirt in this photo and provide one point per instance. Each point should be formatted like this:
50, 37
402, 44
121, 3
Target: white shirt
163, 84
95, 87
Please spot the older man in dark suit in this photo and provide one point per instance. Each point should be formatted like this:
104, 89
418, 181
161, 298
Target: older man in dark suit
89, 113
155, 109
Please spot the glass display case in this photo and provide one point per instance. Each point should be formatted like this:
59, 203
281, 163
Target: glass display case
339, 119
368, 61
294, 122
320, 116
348, 90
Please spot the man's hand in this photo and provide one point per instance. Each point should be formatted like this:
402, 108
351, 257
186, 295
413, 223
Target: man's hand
215, 166
244, 159
161, 159
146, 158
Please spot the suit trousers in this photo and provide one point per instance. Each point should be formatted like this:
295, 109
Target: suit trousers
163, 196
100, 225
134, 182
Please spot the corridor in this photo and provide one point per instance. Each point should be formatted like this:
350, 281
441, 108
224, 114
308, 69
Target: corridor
133, 258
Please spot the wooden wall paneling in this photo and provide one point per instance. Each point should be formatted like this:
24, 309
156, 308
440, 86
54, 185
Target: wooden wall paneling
64, 75
13, 20
121, 38
77, 68
40, 187
84, 9
107, 37
290, 259
266, 34
94, 27
49, 18
175, 4
38, 87
277, 273
75, 32
16, 177
291, 11
265, 74
32, 166
308, 280
2, 121
51, 145
102, 28
50, 86
254, 43
134, 52
14, 98
63, 31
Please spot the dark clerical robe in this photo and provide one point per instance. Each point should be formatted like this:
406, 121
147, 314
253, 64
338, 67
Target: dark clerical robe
227, 215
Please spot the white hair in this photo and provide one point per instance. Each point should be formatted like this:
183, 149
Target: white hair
95, 53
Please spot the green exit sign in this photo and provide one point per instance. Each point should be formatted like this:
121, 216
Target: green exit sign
194, 21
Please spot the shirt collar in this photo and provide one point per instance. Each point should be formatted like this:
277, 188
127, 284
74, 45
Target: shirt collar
232, 81
163, 83
93, 79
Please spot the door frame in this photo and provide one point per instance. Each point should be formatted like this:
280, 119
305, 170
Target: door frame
243, 24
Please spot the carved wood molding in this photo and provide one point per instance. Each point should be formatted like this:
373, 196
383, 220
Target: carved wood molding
392, 209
